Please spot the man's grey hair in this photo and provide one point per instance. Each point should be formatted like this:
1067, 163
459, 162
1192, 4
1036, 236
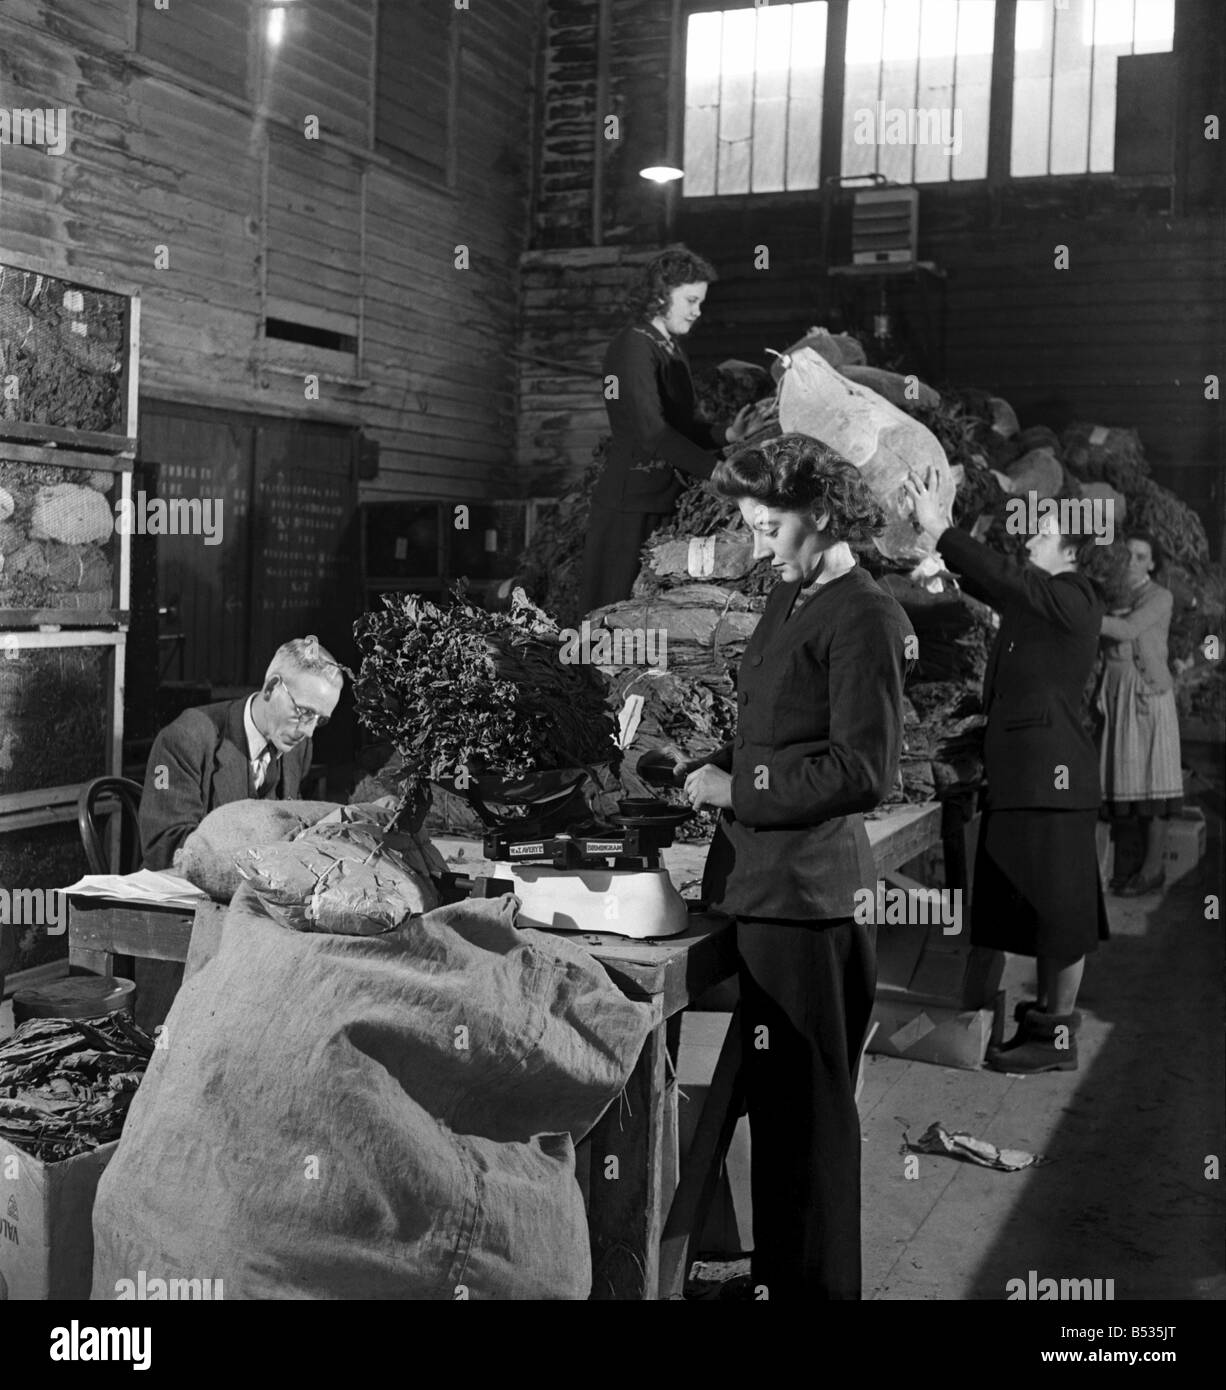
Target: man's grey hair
306, 655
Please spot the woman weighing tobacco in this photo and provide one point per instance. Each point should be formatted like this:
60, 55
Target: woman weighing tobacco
649, 399
819, 733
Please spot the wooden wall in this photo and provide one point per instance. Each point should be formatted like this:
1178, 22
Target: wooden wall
158, 158
1125, 336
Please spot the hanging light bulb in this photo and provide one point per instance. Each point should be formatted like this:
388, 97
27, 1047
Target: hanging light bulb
276, 26
662, 173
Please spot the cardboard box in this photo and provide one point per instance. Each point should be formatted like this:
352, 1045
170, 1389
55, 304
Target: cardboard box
46, 1223
1185, 843
933, 1031
1185, 846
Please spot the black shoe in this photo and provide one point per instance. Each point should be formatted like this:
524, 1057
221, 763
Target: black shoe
1029, 1005
1037, 1046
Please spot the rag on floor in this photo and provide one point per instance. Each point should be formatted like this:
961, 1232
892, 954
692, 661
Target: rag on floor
386, 1117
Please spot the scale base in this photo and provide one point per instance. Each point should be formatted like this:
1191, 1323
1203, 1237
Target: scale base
641, 905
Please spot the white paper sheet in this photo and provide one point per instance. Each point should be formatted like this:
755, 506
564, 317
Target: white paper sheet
146, 886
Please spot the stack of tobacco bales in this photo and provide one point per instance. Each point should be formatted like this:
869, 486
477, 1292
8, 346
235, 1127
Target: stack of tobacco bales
699, 582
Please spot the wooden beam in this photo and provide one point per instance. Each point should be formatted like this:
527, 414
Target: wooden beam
604, 30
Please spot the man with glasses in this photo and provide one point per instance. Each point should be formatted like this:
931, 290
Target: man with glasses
256, 746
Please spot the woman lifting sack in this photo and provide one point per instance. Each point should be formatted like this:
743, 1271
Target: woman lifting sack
1037, 887
819, 735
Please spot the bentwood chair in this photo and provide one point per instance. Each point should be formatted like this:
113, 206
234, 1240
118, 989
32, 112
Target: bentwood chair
114, 789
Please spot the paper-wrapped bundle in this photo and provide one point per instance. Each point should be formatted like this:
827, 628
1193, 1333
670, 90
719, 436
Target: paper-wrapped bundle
882, 441
206, 857
347, 879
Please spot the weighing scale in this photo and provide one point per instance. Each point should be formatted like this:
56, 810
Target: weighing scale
570, 871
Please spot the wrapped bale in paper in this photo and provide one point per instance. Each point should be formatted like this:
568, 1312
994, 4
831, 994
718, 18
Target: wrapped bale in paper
206, 857
882, 441
347, 879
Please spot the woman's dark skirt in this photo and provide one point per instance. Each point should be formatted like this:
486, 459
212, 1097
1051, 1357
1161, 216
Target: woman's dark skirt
1037, 890
612, 553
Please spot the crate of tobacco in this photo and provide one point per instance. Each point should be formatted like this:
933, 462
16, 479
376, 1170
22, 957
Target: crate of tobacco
65, 1088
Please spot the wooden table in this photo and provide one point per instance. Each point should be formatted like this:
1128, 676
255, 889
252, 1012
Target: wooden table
640, 1243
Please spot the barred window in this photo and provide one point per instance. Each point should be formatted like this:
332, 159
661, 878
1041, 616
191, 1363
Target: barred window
754, 81
1064, 78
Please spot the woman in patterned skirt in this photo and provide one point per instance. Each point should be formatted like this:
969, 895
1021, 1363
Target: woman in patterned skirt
1139, 755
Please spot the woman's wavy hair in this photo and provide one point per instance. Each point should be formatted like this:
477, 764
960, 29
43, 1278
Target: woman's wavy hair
1105, 566
795, 473
1138, 533
678, 266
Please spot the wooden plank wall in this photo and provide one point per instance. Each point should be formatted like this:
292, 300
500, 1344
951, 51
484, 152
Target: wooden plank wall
1125, 336
151, 163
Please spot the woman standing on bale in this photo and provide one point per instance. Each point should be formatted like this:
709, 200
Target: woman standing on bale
1140, 763
1037, 888
819, 735
649, 398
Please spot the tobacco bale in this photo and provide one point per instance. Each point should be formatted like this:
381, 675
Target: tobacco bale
1038, 471
1040, 437
697, 613
726, 556
207, 857
71, 513
1098, 453
346, 879
1004, 417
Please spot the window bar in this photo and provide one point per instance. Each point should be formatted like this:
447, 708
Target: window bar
919, 29
1090, 87
1051, 82
753, 94
953, 94
719, 106
880, 88
787, 104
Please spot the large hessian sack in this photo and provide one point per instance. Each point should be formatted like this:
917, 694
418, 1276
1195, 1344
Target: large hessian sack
392, 1117
206, 857
882, 441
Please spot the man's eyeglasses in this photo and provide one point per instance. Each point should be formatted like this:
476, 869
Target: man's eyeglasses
301, 715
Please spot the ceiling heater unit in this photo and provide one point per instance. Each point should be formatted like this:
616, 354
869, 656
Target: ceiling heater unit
885, 226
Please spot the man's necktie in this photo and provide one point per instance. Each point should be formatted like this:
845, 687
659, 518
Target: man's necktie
265, 772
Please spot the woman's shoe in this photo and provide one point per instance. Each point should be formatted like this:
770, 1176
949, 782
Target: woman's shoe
1138, 885
1029, 1005
1044, 1042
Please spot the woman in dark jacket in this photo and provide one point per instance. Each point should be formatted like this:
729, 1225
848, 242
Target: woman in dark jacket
819, 734
649, 398
1037, 886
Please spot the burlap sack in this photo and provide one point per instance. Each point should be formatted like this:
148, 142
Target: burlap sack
391, 1117
882, 441
206, 857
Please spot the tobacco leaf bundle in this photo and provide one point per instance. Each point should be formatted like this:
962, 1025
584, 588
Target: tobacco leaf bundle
65, 1084
460, 688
